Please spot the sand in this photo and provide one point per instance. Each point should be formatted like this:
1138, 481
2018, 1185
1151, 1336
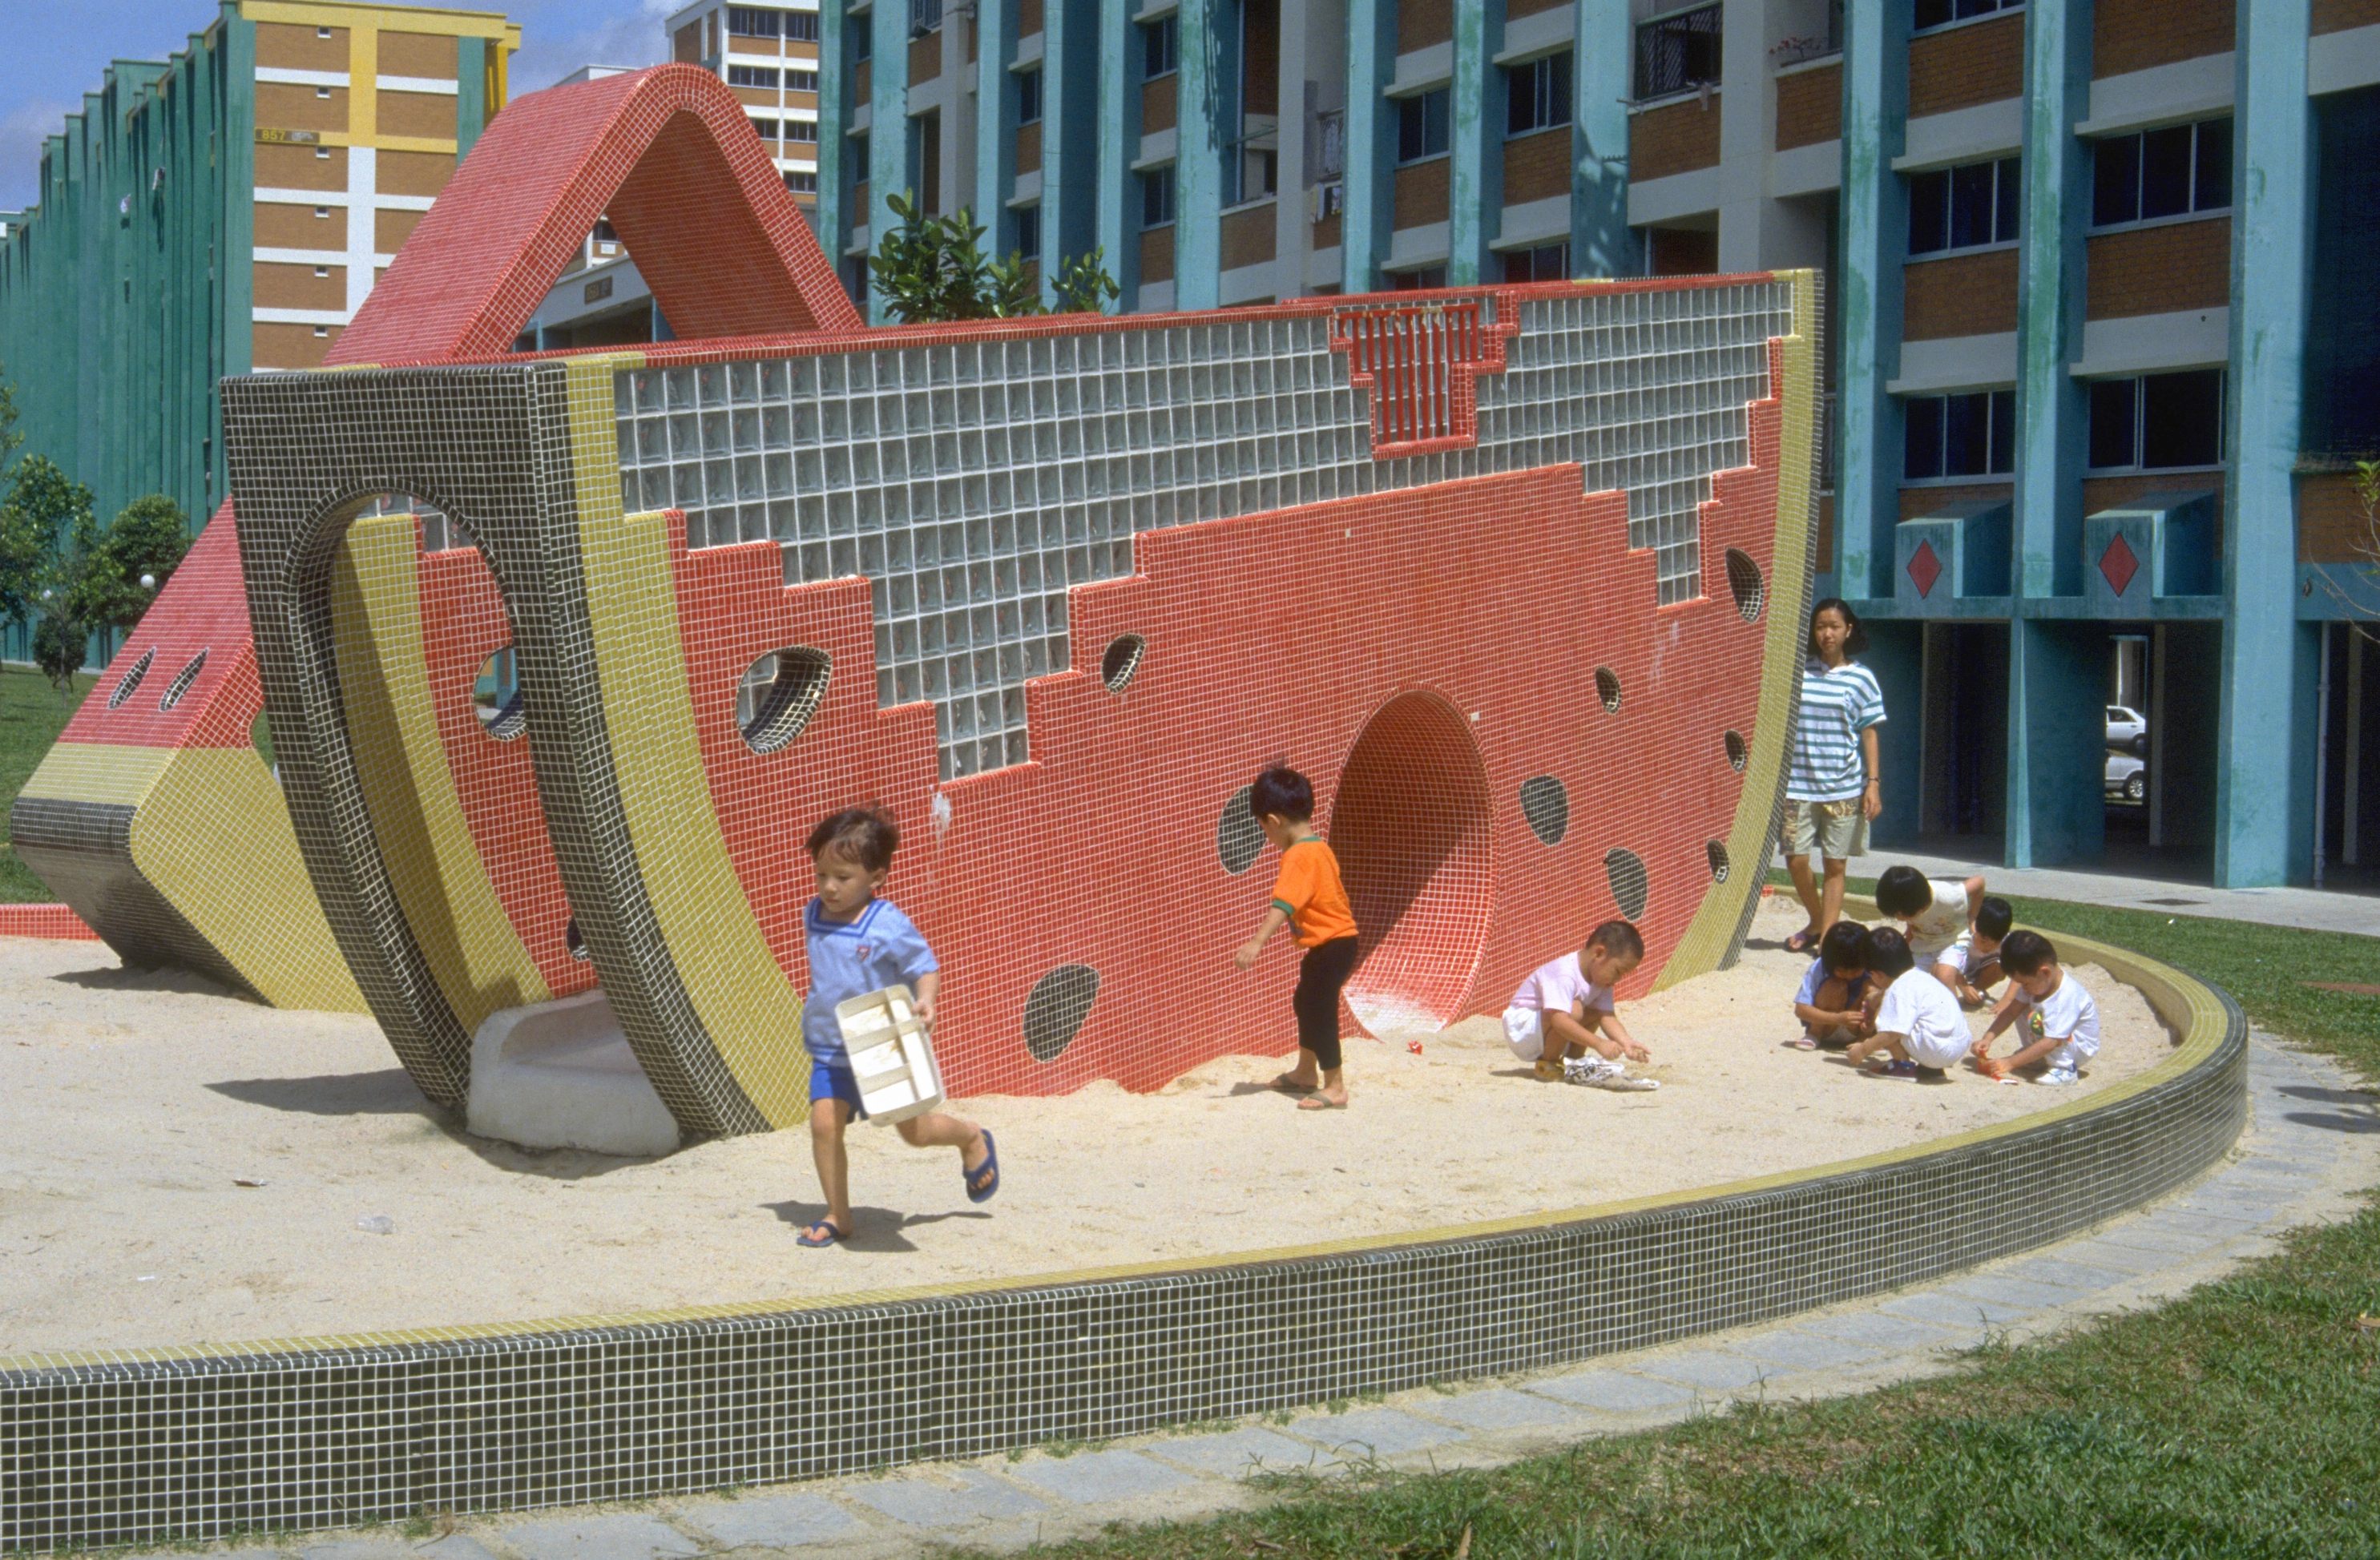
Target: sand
138, 1105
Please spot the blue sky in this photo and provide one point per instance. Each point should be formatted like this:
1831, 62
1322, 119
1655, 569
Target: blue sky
57, 51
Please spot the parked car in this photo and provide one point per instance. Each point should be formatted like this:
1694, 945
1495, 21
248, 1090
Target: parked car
2127, 732
2127, 777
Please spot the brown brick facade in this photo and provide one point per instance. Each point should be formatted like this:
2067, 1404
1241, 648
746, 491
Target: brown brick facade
1959, 295
1157, 255
391, 229
290, 347
926, 56
1421, 23
428, 56
297, 167
282, 285
1916, 504
1157, 106
2160, 270
1326, 232
1810, 106
862, 75
1028, 149
1421, 193
297, 227
282, 45
2135, 37
1248, 237
430, 115
1677, 138
2337, 16
414, 172
1028, 17
2332, 527
1980, 63
1536, 167
281, 106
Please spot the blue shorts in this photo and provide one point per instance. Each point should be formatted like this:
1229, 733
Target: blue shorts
834, 1081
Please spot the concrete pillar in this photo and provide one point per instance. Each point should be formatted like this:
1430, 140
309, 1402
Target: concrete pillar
2263, 745
1876, 242
470, 93
1293, 227
1475, 143
2057, 742
1371, 143
1070, 152
1896, 655
1199, 96
2350, 798
1602, 80
833, 212
995, 147
1117, 212
888, 127
1747, 123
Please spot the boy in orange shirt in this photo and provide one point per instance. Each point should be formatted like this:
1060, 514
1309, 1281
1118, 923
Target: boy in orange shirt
1310, 899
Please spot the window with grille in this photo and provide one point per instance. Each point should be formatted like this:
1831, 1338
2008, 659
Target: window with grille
1968, 435
1964, 208
765, 128
762, 75
1157, 196
1160, 46
1546, 263
802, 25
1028, 231
802, 181
1421, 125
1536, 95
804, 130
1942, 13
2178, 171
801, 80
2157, 422
1028, 97
1677, 53
754, 21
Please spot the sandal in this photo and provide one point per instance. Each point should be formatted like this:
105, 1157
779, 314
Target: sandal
1802, 1043
984, 1179
1317, 1100
823, 1233
1801, 941
1287, 1083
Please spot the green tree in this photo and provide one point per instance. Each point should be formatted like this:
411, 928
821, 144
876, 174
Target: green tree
935, 269
105, 569
44, 509
9, 437
58, 648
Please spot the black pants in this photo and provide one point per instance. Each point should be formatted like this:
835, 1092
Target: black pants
1321, 976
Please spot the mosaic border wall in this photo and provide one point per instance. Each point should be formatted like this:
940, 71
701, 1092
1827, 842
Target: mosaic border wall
190, 1444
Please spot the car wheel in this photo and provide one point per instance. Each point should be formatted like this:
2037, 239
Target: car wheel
2136, 788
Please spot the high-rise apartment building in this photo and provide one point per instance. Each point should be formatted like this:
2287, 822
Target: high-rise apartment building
2097, 388
770, 55
222, 212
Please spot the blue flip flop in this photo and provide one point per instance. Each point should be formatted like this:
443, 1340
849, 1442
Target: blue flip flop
833, 1235
988, 1171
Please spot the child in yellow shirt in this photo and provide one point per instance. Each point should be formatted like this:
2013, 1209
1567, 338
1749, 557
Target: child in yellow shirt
1310, 900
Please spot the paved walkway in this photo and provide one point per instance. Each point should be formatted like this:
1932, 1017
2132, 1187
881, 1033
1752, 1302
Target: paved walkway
2312, 1140
2310, 909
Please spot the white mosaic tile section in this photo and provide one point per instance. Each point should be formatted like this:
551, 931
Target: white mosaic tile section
974, 484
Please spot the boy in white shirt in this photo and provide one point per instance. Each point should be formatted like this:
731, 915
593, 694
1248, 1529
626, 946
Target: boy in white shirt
1563, 1021
1939, 915
1919, 1029
2060, 1017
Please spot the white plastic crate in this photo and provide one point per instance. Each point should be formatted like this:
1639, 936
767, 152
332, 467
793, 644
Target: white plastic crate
892, 1059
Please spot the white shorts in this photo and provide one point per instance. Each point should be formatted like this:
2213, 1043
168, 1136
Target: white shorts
1953, 952
1926, 1051
1525, 1031
2071, 1056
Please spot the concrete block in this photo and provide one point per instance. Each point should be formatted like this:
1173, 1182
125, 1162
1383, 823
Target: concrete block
1087, 1477
934, 1502
560, 1075
1497, 1407
1707, 1370
1615, 1392
1954, 1311
1235, 1454
387, 1546
1883, 1333
2002, 1288
1375, 1433
627, 1536
775, 1521
1790, 1349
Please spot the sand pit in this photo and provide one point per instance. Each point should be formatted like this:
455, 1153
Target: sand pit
138, 1103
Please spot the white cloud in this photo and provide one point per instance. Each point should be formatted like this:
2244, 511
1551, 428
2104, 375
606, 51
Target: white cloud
558, 39
22, 130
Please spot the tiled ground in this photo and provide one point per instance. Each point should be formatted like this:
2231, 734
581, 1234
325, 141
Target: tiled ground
2313, 1138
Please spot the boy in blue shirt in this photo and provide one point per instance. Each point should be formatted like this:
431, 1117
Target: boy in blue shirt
859, 944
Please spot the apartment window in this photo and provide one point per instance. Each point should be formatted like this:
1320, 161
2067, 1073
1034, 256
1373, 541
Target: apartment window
1942, 13
802, 25
761, 76
802, 181
1970, 435
1963, 208
1677, 53
322, 329
754, 21
1536, 95
2157, 422
321, 33
2168, 173
1028, 97
605, 233
1160, 46
1421, 125
321, 92
804, 130
1028, 231
765, 128
322, 270
924, 16
801, 80
863, 41
1157, 196
1546, 262
1416, 279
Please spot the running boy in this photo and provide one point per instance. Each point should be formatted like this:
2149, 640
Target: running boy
1564, 1010
1918, 1024
859, 944
1833, 1001
1938, 914
1310, 899
2061, 1017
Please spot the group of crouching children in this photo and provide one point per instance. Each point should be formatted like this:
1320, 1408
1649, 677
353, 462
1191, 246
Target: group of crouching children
1892, 996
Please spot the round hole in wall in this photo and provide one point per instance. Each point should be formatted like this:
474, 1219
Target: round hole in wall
1738, 753
1239, 839
131, 679
1056, 1008
1632, 885
182, 681
1545, 802
496, 696
1121, 662
1606, 688
1743, 582
780, 692
1717, 854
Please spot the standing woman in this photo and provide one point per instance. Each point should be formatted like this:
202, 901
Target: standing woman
1833, 785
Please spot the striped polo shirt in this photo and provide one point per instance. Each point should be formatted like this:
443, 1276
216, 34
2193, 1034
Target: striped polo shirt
1838, 704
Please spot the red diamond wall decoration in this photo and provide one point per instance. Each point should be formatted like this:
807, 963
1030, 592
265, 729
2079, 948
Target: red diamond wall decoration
2119, 564
1925, 568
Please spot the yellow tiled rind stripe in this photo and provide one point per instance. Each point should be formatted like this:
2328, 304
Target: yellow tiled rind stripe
102, 773
1710, 937
450, 905
2186, 1004
751, 1014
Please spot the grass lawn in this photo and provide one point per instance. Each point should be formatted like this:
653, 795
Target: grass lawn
2243, 1419
31, 715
